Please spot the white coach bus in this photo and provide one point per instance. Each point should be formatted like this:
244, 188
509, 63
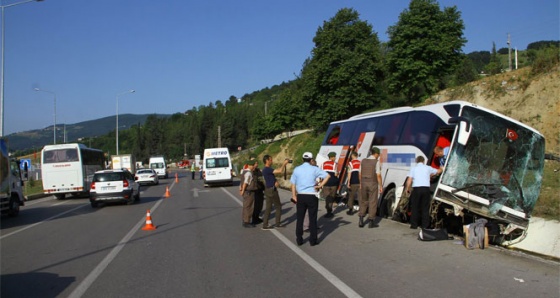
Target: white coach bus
493, 169
68, 168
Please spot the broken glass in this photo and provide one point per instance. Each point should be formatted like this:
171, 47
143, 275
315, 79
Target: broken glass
502, 162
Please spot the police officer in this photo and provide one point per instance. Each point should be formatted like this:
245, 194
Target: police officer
304, 188
329, 190
353, 181
370, 187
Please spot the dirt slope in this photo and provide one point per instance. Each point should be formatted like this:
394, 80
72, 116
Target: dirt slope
534, 101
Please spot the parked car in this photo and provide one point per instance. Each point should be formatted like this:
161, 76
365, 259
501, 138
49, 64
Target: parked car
146, 176
113, 186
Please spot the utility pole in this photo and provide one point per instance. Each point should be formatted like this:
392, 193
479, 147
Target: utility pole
219, 136
509, 51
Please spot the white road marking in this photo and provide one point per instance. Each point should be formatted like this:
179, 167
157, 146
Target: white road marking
335, 281
98, 270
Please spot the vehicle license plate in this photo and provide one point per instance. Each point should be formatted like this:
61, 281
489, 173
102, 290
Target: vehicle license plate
108, 187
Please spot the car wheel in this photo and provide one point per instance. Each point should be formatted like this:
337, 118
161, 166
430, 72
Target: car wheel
137, 196
94, 204
14, 207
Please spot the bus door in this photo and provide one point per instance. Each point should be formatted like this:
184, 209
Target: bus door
364, 144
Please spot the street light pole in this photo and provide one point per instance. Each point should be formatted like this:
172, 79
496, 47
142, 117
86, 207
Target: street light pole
2, 67
117, 127
54, 127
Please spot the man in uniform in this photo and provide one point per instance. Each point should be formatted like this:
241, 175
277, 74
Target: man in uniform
420, 199
329, 190
248, 192
370, 186
353, 181
304, 188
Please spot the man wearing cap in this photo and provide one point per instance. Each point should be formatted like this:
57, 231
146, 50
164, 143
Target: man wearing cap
329, 190
353, 181
248, 194
304, 188
370, 186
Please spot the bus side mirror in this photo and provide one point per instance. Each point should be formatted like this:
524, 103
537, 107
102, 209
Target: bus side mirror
465, 129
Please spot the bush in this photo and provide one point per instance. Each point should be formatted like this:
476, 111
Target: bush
545, 61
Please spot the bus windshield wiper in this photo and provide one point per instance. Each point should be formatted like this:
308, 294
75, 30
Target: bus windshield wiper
471, 185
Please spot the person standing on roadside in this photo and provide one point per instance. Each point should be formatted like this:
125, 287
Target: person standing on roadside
353, 181
259, 193
304, 188
329, 190
419, 183
271, 191
193, 169
370, 187
248, 192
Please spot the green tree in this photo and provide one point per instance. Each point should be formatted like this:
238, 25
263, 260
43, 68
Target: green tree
341, 77
494, 66
425, 47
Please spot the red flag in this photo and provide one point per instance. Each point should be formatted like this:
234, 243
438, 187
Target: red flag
511, 134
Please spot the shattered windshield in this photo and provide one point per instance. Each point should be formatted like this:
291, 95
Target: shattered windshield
502, 162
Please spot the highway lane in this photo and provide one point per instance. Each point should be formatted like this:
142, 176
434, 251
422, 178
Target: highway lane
200, 249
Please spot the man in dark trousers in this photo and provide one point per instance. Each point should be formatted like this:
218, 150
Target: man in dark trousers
419, 182
370, 187
329, 190
304, 190
271, 191
353, 181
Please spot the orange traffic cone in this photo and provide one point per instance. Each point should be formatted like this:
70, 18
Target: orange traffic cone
149, 226
167, 194
176, 177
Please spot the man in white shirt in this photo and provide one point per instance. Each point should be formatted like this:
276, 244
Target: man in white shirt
420, 199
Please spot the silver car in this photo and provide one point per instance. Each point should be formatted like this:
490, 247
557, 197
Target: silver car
146, 176
113, 186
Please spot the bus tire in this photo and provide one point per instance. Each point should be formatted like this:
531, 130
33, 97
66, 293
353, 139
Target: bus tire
387, 207
60, 196
14, 207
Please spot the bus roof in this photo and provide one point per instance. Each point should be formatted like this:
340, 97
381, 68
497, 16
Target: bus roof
67, 146
437, 108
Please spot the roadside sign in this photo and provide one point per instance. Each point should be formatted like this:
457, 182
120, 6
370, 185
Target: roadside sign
24, 162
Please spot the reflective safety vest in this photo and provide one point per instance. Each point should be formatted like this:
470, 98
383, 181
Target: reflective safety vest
354, 169
331, 167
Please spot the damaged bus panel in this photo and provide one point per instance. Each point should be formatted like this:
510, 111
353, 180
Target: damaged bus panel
492, 164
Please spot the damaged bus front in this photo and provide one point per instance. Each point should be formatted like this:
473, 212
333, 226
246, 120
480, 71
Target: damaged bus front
493, 171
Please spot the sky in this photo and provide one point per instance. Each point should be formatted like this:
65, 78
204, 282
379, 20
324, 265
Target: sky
181, 54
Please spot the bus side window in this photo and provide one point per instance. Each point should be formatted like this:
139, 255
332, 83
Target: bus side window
334, 135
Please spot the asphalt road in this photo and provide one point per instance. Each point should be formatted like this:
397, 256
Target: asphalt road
199, 249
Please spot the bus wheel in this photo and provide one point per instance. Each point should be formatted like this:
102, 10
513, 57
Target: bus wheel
60, 197
14, 207
388, 204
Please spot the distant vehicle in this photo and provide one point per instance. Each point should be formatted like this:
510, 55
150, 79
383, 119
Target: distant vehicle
493, 169
69, 168
146, 176
113, 186
123, 161
216, 167
158, 164
11, 182
183, 164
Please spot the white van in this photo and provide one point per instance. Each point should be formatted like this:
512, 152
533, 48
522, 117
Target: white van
216, 167
158, 164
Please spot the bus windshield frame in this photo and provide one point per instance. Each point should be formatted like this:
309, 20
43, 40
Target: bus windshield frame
501, 163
